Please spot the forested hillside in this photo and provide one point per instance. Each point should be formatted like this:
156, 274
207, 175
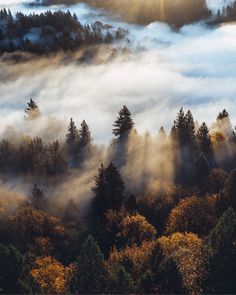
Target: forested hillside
161, 217
51, 32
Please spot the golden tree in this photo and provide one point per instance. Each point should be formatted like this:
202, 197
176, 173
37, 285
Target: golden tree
51, 275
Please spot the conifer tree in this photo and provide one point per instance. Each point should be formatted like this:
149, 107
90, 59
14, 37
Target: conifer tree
123, 124
90, 274
222, 255
85, 138
38, 199
223, 115
15, 277
229, 191
32, 110
72, 135
204, 140
108, 190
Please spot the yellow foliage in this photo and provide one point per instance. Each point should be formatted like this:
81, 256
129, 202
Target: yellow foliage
29, 221
136, 257
193, 215
136, 229
51, 275
217, 138
186, 249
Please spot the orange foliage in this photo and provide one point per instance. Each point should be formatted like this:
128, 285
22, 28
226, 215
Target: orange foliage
136, 229
187, 250
134, 257
51, 275
193, 215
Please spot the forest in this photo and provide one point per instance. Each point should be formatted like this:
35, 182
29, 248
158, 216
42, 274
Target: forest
51, 32
161, 218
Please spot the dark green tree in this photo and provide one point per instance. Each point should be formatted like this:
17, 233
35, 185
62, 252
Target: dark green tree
123, 124
221, 249
90, 274
15, 277
204, 141
120, 281
229, 191
108, 190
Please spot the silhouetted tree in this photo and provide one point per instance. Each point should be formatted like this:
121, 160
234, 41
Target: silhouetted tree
32, 110
85, 138
123, 124
204, 141
108, 190
222, 115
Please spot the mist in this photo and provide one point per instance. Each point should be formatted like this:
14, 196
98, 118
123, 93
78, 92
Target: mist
155, 71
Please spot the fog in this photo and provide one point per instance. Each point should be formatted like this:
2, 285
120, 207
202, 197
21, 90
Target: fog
155, 72
193, 68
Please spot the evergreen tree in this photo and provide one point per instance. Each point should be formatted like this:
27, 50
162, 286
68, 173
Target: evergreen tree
222, 115
90, 274
38, 199
184, 147
229, 191
123, 124
204, 140
120, 281
222, 255
15, 277
55, 163
190, 128
85, 138
32, 110
72, 140
108, 190
72, 135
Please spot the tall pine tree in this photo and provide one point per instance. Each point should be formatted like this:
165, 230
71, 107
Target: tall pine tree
123, 124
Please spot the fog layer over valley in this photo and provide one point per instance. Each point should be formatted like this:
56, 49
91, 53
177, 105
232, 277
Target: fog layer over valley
154, 71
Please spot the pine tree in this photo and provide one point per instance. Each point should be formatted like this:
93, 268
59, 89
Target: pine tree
123, 124
32, 110
120, 281
72, 135
223, 115
38, 199
204, 140
85, 138
90, 274
108, 190
229, 191
222, 255
15, 277
190, 128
